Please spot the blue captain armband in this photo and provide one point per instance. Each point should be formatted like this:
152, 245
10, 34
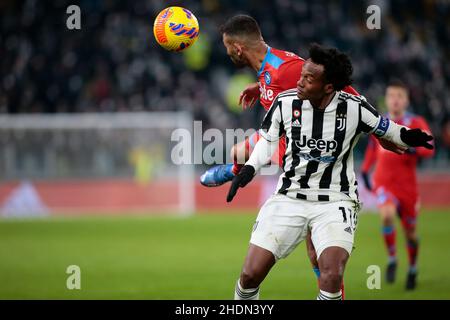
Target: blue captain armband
382, 127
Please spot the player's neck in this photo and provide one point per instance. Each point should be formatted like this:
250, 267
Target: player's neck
256, 57
321, 104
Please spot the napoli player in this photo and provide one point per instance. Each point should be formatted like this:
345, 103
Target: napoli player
395, 183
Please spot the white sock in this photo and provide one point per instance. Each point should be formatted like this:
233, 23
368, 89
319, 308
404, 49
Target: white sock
245, 294
323, 295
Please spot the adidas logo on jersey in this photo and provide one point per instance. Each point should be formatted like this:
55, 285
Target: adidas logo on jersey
296, 123
348, 229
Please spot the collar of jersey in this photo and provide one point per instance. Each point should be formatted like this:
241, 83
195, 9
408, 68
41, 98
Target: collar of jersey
331, 106
263, 64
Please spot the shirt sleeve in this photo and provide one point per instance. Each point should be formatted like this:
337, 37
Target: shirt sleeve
271, 130
372, 122
262, 153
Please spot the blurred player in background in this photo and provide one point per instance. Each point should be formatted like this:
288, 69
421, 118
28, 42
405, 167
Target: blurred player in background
395, 183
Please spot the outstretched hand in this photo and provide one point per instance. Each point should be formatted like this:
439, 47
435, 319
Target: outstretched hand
249, 96
416, 138
240, 180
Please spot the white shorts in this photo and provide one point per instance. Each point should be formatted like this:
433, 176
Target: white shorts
283, 223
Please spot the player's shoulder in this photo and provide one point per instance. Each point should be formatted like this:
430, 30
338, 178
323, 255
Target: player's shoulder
286, 56
345, 96
287, 95
284, 98
280, 70
271, 65
285, 63
352, 100
356, 103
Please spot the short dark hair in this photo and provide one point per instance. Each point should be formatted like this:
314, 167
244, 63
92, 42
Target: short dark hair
397, 83
241, 25
338, 68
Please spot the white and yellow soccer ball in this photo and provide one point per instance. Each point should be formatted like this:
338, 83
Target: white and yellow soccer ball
176, 29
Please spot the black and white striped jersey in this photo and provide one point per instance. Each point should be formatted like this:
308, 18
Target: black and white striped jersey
318, 161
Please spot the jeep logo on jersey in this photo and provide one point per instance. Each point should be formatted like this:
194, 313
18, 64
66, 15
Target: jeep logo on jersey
319, 144
267, 77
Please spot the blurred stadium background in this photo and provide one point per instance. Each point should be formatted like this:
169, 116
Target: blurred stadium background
86, 124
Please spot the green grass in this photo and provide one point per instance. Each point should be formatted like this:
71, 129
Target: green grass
198, 257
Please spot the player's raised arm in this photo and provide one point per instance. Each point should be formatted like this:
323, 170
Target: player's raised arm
271, 131
373, 123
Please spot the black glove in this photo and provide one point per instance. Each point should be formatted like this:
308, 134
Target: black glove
240, 180
366, 180
416, 138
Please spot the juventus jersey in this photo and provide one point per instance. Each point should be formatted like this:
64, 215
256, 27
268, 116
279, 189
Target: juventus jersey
318, 162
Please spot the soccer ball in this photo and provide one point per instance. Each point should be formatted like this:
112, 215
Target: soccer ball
176, 29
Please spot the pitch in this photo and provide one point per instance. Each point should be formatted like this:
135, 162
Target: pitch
199, 257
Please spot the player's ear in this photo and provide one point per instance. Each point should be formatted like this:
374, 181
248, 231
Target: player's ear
329, 88
238, 47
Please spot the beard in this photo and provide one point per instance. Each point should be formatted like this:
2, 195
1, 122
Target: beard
238, 61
